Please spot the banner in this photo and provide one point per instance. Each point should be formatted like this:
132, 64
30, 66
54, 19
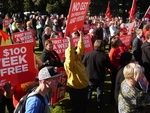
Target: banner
76, 17
59, 93
60, 45
24, 37
17, 64
147, 15
126, 39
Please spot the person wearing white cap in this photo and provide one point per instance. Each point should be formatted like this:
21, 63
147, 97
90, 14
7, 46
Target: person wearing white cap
47, 81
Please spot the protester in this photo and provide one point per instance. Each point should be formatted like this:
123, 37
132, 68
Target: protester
99, 30
125, 58
112, 28
49, 56
29, 26
6, 22
136, 46
114, 55
47, 82
19, 26
6, 99
93, 36
124, 30
77, 80
131, 98
46, 35
39, 30
1, 22
21, 89
96, 63
146, 56
55, 26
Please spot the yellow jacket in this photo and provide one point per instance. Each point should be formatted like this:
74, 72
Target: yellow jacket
75, 69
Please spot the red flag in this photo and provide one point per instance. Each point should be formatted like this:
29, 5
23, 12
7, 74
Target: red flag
0, 39
4, 35
132, 10
108, 14
147, 14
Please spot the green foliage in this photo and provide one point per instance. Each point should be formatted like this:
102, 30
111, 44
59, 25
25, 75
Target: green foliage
28, 5
97, 7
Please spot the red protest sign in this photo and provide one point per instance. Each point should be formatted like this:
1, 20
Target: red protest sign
87, 43
60, 45
76, 17
86, 28
126, 39
59, 93
17, 64
24, 37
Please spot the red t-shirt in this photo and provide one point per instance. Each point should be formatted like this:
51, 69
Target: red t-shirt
114, 56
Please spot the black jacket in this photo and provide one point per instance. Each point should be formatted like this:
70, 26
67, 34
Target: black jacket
50, 58
96, 63
146, 58
136, 49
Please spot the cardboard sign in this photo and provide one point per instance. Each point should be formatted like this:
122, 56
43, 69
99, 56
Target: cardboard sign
76, 17
126, 39
24, 37
60, 45
17, 64
59, 93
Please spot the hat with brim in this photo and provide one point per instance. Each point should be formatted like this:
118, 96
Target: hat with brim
48, 72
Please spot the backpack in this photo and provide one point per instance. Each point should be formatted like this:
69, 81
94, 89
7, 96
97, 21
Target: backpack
20, 108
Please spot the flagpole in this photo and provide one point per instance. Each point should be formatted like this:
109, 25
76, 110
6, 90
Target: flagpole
146, 11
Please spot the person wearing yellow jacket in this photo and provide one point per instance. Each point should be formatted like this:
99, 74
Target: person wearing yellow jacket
78, 80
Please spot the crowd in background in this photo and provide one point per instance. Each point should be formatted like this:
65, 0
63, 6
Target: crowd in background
128, 79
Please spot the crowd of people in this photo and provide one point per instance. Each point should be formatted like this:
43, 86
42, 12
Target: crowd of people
128, 67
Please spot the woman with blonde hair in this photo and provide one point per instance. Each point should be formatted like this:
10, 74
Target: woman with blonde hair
132, 97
